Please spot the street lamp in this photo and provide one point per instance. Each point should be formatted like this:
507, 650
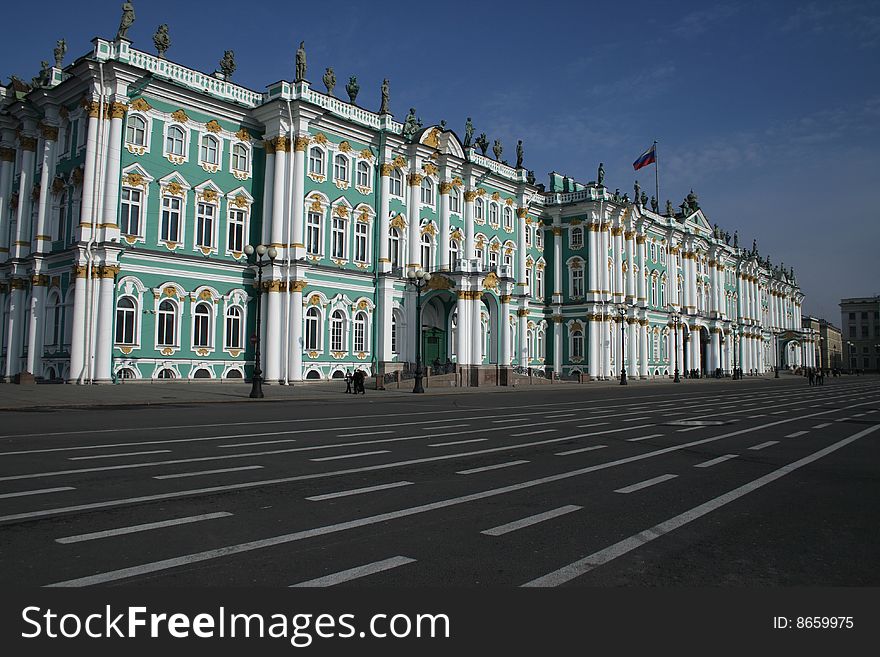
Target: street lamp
852, 355
622, 311
418, 279
735, 343
776, 349
257, 261
721, 355
676, 319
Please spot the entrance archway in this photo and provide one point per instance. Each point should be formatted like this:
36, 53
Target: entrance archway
705, 366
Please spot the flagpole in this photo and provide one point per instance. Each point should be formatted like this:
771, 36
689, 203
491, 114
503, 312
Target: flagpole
657, 172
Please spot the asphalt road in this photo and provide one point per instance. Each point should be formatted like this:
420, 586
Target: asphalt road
747, 483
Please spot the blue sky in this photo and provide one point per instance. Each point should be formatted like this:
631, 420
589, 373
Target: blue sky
769, 110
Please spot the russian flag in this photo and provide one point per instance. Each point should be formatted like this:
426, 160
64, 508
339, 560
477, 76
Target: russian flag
646, 158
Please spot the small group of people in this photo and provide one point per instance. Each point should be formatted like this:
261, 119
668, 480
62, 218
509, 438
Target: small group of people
816, 376
354, 383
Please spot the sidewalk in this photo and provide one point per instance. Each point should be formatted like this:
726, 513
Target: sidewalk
24, 397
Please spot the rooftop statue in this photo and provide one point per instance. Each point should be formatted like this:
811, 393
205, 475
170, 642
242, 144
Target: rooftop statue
383, 108
161, 40
126, 21
636, 191
600, 176
519, 154
497, 148
352, 89
468, 133
736, 239
443, 125
410, 125
616, 196
530, 177
227, 64
60, 51
669, 211
655, 206
625, 200
483, 142
754, 246
301, 62
643, 199
329, 80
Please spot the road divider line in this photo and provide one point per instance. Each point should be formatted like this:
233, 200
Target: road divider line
356, 573
612, 552
823, 425
635, 440
532, 433
361, 433
262, 442
716, 461
110, 456
41, 491
459, 442
581, 449
357, 491
487, 468
645, 484
763, 445
796, 434
350, 456
689, 429
500, 530
133, 529
635, 419
208, 472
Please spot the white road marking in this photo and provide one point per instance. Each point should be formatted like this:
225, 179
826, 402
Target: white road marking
796, 434
355, 573
110, 456
636, 419
716, 461
208, 472
532, 433
553, 417
530, 520
689, 429
858, 415
823, 425
780, 412
357, 491
459, 442
132, 529
486, 468
763, 445
653, 435
646, 483
604, 556
41, 491
361, 433
587, 426
513, 419
752, 417
350, 456
262, 442
582, 449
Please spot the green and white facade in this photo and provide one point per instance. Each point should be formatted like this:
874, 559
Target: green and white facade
129, 186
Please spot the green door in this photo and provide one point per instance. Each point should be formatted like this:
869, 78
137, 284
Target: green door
434, 345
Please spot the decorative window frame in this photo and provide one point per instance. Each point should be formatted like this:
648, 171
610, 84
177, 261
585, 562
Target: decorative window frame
317, 300
209, 193
133, 148
130, 286
572, 244
160, 366
210, 296
187, 140
211, 168
342, 209
136, 177
368, 188
318, 203
576, 263
399, 172
240, 174
494, 218
432, 185
349, 163
238, 199
174, 185
455, 193
479, 211
507, 219
363, 215
169, 291
346, 330
236, 298
317, 177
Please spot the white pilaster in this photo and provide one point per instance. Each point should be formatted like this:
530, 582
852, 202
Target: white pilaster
295, 350
104, 333
643, 349
42, 240
443, 242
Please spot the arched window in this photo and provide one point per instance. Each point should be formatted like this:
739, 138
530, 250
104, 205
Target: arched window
454, 200
363, 174
454, 249
539, 237
528, 232
166, 374
209, 152
426, 258
662, 294
202, 373
508, 219
135, 131
396, 186
539, 283
478, 208
654, 291
394, 247
53, 326
337, 237
233, 328
337, 331
577, 344
577, 237
655, 345
240, 158
126, 324
530, 347
427, 191
493, 214
361, 241
360, 332
313, 329
175, 140
577, 282
395, 335
313, 233
653, 252
234, 374
340, 168
125, 373
529, 280
202, 326
507, 259
540, 345
316, 161
61, 219
166, 324
493, 260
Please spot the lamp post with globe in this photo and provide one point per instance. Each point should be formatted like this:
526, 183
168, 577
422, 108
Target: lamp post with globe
418, 279
256, 258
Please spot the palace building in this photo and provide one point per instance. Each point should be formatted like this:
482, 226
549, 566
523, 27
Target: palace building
130, 186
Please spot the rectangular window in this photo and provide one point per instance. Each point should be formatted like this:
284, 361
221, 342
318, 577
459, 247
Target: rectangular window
130, 220
235, 243
205, 225
337, 249
360, 242
313, 234
169, 230
577, 282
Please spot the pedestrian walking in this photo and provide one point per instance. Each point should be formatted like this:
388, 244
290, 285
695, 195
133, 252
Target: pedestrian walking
348, 379
359, 377
821, 377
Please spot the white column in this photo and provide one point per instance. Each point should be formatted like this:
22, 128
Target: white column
522, 331
694, 349
593, 259
640, 260
295, 350
42, 238
630, 267
25, 185
112, 175
521, 250
272, 353
37, 310
276, 234
18, 301
87, 198
104, 331
268, 191
557, 345
78, 335
476, 329
592, 346
462, 328
384, 218
558, 283
383, 322
632, 343
7, 162
504, 330
715, 343
643, 349
469, 197
298, 172
415, 210
443, 242
617, 260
